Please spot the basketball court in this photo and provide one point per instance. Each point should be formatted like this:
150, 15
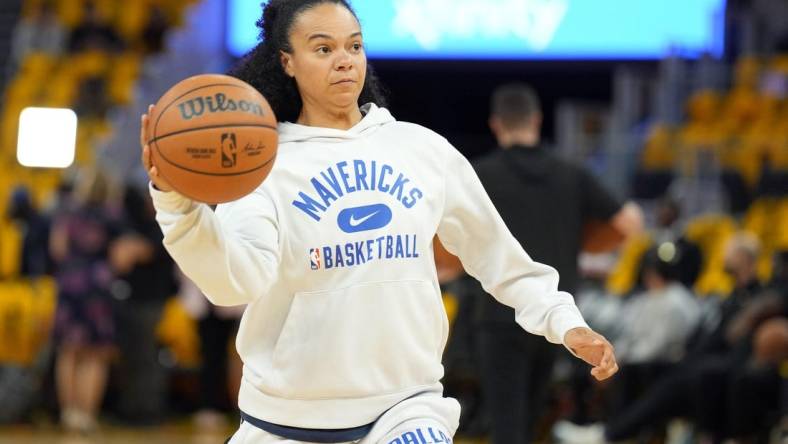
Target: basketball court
170, 434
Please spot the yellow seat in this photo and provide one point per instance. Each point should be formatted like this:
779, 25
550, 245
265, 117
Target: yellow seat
70, 12
177, 330
741, 108
27, 308
10, 128
451, 305
121, 89
89, 64
63, 91
17, 334
659, 152
781, 222
756, 219
10, 249
711, 233
624, 276
109, 9
776, 150
744, 156
38, 64
747, 72
132, 21
22, 89
703, 133
127, 64
44, 290
766, 218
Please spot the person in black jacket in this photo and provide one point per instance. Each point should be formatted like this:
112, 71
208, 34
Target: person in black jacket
35, 260
145, 279
545, 202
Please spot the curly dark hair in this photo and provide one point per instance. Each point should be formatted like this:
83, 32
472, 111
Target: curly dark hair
262, 67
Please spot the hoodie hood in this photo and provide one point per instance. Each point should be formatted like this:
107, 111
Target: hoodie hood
533, 164
374, 118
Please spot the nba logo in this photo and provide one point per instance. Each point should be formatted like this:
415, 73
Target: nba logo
229, 150
314, 258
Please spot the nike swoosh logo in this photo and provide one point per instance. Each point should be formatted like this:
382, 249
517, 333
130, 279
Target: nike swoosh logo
364, 218
356, 222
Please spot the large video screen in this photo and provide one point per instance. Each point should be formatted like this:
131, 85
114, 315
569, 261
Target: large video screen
519, 29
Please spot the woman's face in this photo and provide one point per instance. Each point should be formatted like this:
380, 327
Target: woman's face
328, 59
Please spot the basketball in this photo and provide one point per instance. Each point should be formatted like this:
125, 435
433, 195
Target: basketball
213, 138
770, 341
600, 237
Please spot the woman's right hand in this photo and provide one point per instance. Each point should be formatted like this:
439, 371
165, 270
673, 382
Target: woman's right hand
153, 173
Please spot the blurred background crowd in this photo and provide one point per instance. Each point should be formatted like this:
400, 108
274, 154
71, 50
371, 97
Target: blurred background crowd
98, 329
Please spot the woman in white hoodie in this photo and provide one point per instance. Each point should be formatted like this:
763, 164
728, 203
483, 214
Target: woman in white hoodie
344, 328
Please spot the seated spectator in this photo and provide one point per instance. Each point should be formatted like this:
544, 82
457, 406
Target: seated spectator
649, 330
741, 263
656, 323
40, 32
730, 385
668, 229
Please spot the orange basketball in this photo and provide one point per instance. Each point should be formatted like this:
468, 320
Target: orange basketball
213, 138
600, 237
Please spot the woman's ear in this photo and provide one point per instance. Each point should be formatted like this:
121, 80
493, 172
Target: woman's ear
287, 63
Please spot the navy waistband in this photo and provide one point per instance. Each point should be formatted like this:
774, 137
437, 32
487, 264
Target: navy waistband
310, 435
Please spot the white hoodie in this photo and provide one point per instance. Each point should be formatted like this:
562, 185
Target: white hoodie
333, 255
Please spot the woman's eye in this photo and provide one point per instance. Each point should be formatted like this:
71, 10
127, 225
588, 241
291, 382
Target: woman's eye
357, 46
323, 50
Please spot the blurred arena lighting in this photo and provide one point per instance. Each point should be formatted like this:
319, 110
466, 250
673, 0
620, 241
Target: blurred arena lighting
47, 137
667, 251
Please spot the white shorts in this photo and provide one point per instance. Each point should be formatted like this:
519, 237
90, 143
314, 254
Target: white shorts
423, 419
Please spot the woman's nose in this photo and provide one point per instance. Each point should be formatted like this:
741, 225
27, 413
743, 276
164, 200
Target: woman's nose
343, 62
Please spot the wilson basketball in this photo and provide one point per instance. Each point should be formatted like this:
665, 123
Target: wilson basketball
213, 138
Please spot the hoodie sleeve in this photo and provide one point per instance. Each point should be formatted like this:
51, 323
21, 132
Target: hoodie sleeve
472, 229
232, 254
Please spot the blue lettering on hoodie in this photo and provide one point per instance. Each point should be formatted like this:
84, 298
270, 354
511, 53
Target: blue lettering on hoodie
354, 254
347, 177
419, 436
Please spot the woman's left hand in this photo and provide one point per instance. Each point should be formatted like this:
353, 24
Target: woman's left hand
594, 349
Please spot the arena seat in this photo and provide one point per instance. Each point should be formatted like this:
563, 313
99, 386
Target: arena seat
10, 248
177, 331
711, 233
27, 308
659, 152
624, 276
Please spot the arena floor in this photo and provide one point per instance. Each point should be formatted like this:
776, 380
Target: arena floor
169, 434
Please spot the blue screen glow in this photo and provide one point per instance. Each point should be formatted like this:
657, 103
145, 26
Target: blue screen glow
519, 29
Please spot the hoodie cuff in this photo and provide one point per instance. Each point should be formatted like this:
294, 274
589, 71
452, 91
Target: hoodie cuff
170, 201
563, 319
